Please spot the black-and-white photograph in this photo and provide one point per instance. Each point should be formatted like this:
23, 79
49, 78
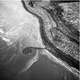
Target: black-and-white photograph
39, 40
